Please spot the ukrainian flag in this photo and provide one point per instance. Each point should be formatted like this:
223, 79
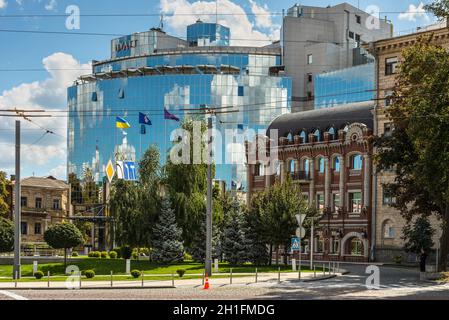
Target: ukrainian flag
121, 123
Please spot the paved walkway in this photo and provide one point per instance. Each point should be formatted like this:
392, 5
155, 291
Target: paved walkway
262, 278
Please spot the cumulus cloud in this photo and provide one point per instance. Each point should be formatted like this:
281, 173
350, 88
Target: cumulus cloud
414, 12
3, 4
39, 150
243, 31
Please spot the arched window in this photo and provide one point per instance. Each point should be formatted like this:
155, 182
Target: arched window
303, 136
316, 133
389, 232
356, 162
305, 167
291, 167
336, 164
290, 137
331, 132
321, 165
356, 247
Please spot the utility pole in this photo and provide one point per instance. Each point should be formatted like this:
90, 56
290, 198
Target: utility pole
17, 208
208, 264
311, 246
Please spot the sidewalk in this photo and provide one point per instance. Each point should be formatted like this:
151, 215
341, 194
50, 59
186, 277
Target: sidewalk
262, 279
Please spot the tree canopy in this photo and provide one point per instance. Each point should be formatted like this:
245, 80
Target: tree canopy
6, 235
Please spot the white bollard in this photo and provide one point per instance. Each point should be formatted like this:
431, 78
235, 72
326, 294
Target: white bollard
128, 266
294, 264
34, 267
216, 265
86, 251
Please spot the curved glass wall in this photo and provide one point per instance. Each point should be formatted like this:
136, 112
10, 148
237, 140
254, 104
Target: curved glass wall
344, 86
93, 106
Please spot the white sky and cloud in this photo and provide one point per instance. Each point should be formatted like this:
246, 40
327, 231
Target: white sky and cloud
243, 31
3, 4
48, 154
414, 12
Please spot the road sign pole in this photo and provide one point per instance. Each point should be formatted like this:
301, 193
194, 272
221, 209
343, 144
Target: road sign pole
208, 262
311, 246
17, 208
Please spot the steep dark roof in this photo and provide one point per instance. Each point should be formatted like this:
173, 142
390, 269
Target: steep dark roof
322, 119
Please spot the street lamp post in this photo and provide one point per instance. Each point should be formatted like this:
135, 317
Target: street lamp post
208, 263
17, 208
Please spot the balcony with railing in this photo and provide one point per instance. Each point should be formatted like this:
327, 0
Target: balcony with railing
301, 176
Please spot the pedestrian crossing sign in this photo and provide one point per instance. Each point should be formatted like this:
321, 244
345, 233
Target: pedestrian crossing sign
296, 244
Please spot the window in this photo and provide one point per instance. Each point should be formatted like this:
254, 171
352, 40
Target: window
387, 199
37, 228
358, 19
292, 166
389, 232
303, 136
290, 137
241, 91
388, 129
356, 162
336, 164
320, 245
335, 201
317, 135
24, 228
321, 165
258, 170
355, 202
38, 203
309, 77
24, 201
309, 59
305, 166
335, 245
390, 65
388, 98
320, 201
94, 96
356, 247
56, 204
331, 132
357, 39
351, 35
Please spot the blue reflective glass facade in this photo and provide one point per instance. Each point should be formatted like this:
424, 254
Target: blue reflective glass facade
93, 138
349, 85
207, 34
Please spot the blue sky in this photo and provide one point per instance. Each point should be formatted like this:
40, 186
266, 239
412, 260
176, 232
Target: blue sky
46, 89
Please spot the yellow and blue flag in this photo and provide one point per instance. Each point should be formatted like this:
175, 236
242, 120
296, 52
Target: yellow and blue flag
121, 123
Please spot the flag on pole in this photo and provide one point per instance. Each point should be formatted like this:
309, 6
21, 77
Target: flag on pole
169, 116
121, 123
144, 119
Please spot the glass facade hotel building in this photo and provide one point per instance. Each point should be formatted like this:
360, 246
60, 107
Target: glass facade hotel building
150, 71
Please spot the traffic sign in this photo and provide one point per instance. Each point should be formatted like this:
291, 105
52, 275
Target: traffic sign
296, 244
110, 171
300, 218
126, 170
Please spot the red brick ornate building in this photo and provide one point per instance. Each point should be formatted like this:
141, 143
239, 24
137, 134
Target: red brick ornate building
328, 152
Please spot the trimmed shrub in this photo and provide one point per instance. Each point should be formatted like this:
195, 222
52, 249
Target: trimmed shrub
74, 254
38, 275
113, 254
136, 273
89, 274
94, 254
118, 251
180, 272
135, 255
126, 252
187, 257
104, 255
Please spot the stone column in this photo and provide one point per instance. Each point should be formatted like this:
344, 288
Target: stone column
283, 170
312, 181
342, 180
268, 174
327, 183
366, 179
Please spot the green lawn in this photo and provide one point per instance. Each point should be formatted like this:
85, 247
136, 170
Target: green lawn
117, 266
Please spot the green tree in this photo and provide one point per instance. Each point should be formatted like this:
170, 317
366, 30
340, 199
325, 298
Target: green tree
90, 190
418, 238
233, 242
186, 185
418, 149
75, 189
167, 242
6, 235
4, 206
63, 236
255, 233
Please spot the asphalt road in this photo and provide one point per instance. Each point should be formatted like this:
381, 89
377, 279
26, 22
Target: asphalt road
395, 283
